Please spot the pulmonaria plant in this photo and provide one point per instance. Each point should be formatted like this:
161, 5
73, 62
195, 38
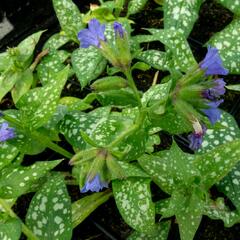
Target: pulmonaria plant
94, 185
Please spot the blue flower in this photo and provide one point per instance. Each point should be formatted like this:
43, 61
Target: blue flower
196, 138
212, 63
6, 132
95, 185
213, 113
216, 91
93, 35
118, 29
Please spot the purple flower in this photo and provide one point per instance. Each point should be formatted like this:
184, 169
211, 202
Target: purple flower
212, 63
196, 138
6, 132
93, 35
216, 91
119, 31
213, 113
95, 185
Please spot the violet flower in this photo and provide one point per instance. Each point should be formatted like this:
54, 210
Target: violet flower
216, 91
118, 29
95, 185
212, 63
6, 132
93, 35
213, 113
196, 138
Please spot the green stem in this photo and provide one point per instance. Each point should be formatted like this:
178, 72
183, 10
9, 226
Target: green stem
132, 129
133, 86
12, 214
40, 138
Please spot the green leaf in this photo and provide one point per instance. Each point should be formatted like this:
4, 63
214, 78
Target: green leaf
18, 180
152, 140
56, 41
7, 154
232, 5
189, 216
88, 64
39, 104
27, 46
49, 215
74, 122
235, 87
157, 94
121, 97
155, 59
160, 234
181, 15
225, 131
180, 53
133, 198
172, 122
83, 207
170, 168
69, 17
10, 230
5, 61
7, 81
228, 43
135, 6
218, 210
215, 164
49, 66
22, 85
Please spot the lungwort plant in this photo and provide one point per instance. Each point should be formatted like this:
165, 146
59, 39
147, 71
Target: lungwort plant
109, 137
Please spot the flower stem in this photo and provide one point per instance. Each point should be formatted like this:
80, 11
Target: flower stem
12, 214
131, 82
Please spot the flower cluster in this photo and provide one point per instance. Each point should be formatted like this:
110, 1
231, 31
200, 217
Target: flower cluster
211, 65
118, 53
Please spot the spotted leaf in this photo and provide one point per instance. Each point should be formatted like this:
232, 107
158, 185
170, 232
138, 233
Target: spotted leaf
154, 58
17, 180
232, 5
10, 230
181, 15
7, 154
217, 163
56, 41
228, 43
170, 168
133, 198
49, 214
161, 233
49, 66
83, 207
135, 6
69, 17
88, 64
39, 104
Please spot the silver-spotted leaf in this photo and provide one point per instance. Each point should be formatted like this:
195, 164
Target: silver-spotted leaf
7, 154
69, 17
133, 198
228, 43
56, 41
17, 180
50, 215
232, 5
134, 6
88, 64
10, 230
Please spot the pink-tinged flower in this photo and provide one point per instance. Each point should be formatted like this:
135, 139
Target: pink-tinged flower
95, 185
216, 91
196, 138
6, 132
93, 35
118, 29
212, 63
213, 113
